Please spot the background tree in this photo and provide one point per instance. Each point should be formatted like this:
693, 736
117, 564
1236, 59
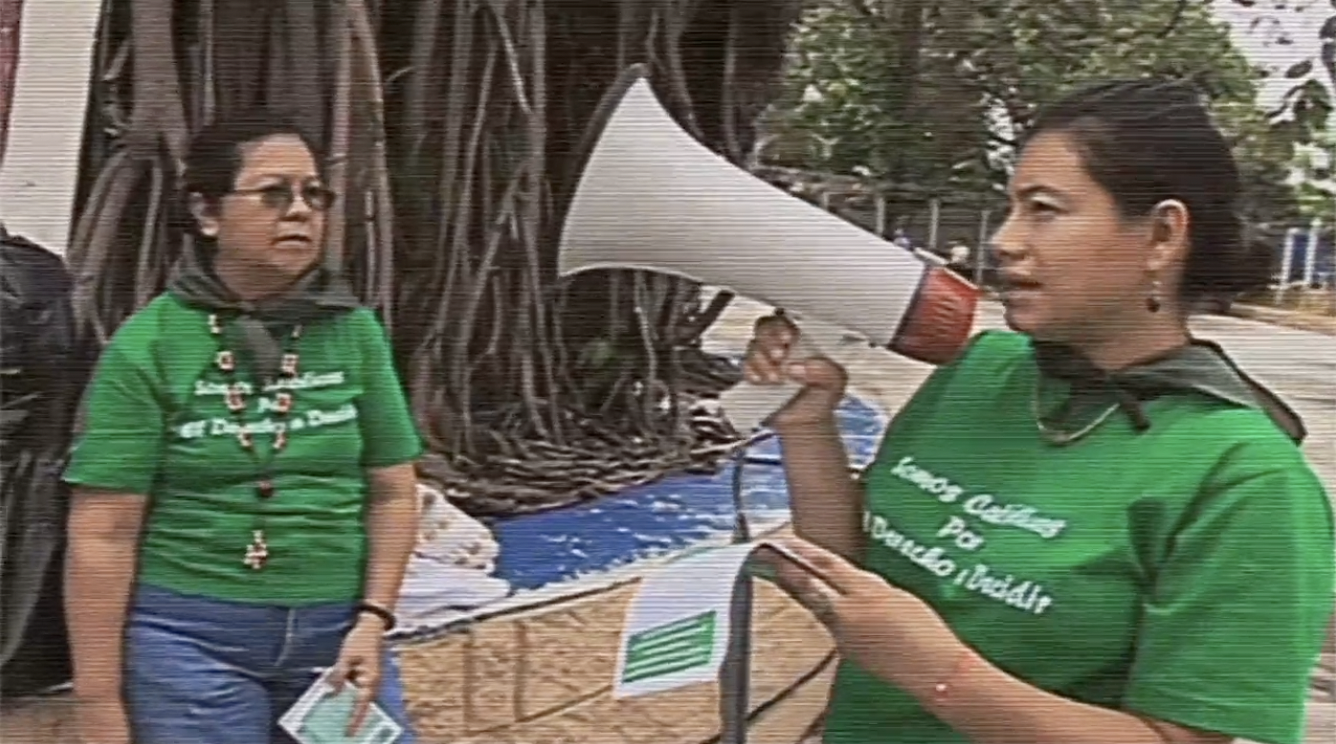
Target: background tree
1317, 179
932, 93
1306, 107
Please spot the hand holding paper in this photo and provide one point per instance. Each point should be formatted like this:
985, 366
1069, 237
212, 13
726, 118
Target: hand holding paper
359, 662
322, 716
677, 628
884, 629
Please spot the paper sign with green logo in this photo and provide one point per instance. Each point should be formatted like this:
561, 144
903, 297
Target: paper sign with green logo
676, 629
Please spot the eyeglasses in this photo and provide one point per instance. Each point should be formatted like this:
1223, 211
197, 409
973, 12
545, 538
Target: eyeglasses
280, 196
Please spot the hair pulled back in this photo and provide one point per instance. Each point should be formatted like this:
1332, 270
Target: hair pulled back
1148, 140
215, 158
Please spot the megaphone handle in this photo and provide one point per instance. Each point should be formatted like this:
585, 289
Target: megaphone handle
749, 406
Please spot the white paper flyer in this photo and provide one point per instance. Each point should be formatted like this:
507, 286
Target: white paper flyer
676, 630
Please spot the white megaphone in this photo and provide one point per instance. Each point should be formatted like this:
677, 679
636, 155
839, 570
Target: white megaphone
651, 197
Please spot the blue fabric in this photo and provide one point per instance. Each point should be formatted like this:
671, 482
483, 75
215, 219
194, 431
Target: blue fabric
206, 671
662, 517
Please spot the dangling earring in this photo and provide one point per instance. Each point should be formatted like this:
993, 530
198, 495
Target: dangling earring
1153, 303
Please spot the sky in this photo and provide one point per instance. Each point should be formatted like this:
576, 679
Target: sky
1253, 28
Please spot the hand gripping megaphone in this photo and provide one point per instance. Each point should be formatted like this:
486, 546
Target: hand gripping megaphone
651, 197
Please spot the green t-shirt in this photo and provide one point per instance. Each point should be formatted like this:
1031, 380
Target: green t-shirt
158, 424
1184, 573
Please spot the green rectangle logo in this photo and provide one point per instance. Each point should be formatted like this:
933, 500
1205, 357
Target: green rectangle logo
680, 645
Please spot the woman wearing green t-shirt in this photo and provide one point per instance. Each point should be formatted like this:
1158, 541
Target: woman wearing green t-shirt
245, 497
1095, 529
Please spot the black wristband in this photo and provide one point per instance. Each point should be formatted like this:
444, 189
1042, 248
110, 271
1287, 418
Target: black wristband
385, 615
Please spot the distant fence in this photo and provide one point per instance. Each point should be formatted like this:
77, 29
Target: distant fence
929, 222
1305, 257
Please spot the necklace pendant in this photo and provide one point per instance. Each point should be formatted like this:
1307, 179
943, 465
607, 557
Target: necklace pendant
236, 398
226, 361
265, 489
257, 553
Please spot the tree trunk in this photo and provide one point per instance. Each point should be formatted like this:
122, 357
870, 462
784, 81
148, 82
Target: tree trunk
11, 13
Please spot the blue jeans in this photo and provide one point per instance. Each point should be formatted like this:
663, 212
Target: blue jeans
206, 671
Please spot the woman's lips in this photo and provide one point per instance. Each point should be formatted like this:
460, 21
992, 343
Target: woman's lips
1018, 288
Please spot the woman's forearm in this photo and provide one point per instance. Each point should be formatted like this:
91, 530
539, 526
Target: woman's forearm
989, 706
825, 499
392, 530
100, 564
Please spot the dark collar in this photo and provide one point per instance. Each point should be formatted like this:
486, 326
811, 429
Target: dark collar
1196, 368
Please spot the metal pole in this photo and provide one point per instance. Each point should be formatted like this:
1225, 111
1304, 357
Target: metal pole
1331, 168
880, 203
934, 222
1286, 264
1310, 251
735, 673
981, 249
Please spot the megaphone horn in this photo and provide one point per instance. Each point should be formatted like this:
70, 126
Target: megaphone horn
651, 197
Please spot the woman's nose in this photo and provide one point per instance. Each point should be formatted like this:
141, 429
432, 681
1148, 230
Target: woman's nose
1006, 244
298, 207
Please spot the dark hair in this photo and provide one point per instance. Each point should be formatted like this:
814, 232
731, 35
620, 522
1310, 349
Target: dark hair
1145, 141
214, 158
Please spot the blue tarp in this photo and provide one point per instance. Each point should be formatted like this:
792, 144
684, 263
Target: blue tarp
661, 517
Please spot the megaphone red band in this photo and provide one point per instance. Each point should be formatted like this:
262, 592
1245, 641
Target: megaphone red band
940, 318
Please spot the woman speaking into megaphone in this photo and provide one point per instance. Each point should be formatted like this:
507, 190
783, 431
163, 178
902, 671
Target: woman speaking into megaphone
1094, 528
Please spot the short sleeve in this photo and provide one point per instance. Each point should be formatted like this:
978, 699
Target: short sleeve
1239, 609
389, 436
124, 422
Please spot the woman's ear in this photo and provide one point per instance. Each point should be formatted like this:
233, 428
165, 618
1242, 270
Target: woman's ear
1170, 225
203, 212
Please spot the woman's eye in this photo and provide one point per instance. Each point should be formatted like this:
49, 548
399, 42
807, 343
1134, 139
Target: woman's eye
1043, 209
275, 196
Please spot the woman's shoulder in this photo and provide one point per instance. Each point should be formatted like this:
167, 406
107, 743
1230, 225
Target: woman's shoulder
1245, 464
361, 323
357, 319
140, 331
1251, 444
992, 352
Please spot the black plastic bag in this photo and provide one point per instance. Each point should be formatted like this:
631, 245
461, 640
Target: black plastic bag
42, 374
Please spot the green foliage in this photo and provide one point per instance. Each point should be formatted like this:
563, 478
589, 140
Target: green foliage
1317, 174
931, 93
